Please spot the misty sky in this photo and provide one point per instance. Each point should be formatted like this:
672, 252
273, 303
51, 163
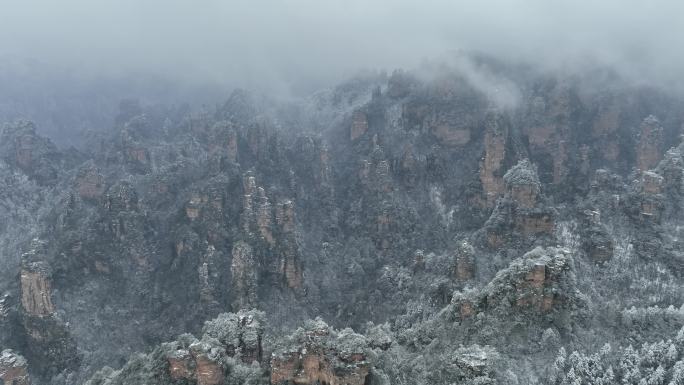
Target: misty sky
256, 41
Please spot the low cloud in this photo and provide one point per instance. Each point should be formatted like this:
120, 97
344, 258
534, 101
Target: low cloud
277, 44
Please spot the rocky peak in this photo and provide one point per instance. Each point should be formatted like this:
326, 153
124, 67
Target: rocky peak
522, 184
36, 156
522, 213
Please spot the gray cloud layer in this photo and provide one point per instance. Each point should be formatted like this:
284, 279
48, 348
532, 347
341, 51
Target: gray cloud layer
278, 42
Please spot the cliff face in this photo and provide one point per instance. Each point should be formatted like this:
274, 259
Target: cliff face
650, 147
492, 166
409, 200
36, 291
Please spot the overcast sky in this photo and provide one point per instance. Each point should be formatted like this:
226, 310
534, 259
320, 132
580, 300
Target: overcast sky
285, 41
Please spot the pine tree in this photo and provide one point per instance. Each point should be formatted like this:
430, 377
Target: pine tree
678, 374
608, 378
571, 378
629, 366
672, 353
657, 377
558, 369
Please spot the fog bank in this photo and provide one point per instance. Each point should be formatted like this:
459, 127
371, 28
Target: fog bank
279, 45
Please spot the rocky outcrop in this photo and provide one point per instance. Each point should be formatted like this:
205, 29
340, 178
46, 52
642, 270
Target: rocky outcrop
199, 364
607, 121
492, 165
651, 183
596, 240
523, 190
318, 354
49, 345
291, 267
275, 228
135, 155
121, 210
223, 140
256, 210
522, 184
121, 197
264, 217
244, 276
36, 291
540, 282
374, 173
359, 125
241, 333
650, 147
90, 184
13, 369
181, 366
646, 202
465, 262
651, 204
409, 167
208, 276
452, 128
36, 156
207, 370
522, 213
285, 217
671, 168
450, 135
192, 208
